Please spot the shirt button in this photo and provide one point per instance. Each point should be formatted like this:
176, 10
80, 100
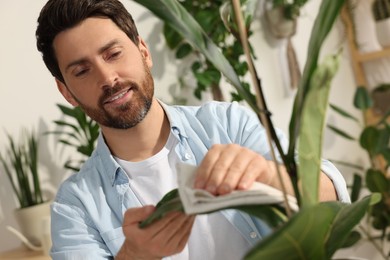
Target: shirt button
253, 234
187, 156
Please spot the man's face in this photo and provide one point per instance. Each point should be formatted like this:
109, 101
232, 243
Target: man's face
105, 73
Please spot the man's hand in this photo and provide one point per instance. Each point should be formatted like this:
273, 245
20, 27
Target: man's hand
230, 167
165, 237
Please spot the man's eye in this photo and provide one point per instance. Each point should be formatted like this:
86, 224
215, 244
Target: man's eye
81, 72
114, 55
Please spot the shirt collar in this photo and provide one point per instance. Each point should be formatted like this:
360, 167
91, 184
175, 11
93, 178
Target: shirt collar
112, 168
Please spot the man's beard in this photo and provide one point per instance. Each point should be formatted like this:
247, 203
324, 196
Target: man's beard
129, 114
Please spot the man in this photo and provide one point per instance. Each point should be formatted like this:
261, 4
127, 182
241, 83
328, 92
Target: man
101, 64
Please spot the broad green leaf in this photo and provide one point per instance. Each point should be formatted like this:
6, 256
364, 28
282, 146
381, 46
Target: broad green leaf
343, 113
302, 237
328, 12
352, 239
172, 38
311, 131
340, 132
374, 140
386, 155
184, 50
178, 18
377, 182
315, 232
362, 99
346, 219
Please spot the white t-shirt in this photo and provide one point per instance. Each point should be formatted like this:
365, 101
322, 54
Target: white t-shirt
151, 179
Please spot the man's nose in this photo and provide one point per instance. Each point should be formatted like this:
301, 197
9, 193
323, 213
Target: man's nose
106, 75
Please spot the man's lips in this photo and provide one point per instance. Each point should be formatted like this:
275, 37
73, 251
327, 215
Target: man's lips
117, 96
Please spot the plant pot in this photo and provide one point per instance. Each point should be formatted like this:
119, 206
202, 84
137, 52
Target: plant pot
279, 26
30, 221
383, 32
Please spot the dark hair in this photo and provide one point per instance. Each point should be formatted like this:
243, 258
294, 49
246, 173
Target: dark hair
59, 15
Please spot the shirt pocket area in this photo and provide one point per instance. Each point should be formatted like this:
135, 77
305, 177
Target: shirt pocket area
114, 239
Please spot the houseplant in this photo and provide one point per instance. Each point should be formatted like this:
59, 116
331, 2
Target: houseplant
381, 14
334, 220
375, 141
20, 163
78, 131
212, 17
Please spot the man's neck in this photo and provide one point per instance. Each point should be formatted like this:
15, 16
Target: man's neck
142, 141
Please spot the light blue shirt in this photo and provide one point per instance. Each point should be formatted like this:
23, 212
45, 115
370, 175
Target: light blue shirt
88, 211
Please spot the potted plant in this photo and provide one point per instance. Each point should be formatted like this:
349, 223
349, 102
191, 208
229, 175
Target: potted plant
381, 14
282, 15
20, 163
334, 221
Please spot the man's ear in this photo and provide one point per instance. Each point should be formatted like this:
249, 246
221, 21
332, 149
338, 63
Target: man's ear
145, 52
66, 93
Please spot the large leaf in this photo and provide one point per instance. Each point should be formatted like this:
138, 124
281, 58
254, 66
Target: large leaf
347, 218
311, 131
178, 18
328, 12
315, 232
303, 237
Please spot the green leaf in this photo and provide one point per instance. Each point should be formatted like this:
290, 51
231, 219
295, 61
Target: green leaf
176, 16
315, 232
172, 38
356, 187
302, 237
352, 239
343, 113
328, 12
346, 219
374, 140
362, 99
169, 203
377, 182
311, 131
340, 132
183, 51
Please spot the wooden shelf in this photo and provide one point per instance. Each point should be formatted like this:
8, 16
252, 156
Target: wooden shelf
369, 56
358, 59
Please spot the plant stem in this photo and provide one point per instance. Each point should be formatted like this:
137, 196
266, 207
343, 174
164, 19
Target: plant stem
372, 241
259, 96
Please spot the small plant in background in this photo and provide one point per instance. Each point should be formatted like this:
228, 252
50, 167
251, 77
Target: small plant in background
77, 131
20, 163
381, 9
375, 141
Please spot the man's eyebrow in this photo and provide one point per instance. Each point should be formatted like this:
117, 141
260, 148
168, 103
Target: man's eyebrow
101, 50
